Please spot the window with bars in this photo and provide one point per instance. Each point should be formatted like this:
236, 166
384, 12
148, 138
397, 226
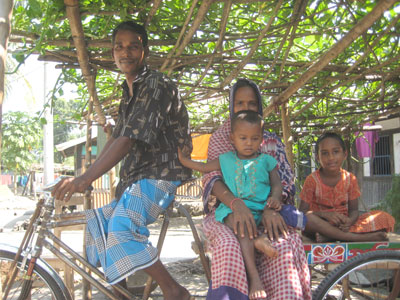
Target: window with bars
381, 164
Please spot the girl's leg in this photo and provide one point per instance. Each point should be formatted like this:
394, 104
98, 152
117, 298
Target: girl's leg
256, 289
325, 231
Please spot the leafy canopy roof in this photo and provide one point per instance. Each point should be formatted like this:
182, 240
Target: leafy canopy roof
335, 63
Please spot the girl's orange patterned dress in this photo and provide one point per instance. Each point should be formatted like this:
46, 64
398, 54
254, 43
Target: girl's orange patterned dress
322, 197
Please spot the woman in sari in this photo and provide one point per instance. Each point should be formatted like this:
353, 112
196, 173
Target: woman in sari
283, 277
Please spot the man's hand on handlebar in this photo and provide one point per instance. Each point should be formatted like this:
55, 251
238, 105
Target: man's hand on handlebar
68, 186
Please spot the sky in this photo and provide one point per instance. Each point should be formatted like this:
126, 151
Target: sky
28, 86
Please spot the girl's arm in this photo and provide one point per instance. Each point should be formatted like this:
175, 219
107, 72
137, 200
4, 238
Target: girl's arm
332, 217
353, 215
304, 206
353, 211
209, 166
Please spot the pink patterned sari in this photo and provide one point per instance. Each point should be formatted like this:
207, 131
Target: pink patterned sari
284, 277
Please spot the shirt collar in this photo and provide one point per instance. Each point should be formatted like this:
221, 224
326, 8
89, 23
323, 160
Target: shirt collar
140, 77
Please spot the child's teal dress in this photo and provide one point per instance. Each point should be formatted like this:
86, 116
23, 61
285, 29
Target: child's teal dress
247, 179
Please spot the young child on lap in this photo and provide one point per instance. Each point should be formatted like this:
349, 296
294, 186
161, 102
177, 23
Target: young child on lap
330, 195
252, 177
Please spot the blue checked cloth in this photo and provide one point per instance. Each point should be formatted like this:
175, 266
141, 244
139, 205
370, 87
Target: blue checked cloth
117, 234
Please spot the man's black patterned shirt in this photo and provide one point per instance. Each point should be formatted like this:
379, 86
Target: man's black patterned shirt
156, 119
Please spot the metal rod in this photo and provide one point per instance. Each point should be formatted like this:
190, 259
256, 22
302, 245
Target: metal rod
27, 236
84, 274
203, 258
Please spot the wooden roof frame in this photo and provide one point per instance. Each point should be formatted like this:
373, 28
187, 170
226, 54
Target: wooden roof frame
280, 91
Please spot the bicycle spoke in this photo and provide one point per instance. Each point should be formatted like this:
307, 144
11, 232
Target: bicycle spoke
367, 277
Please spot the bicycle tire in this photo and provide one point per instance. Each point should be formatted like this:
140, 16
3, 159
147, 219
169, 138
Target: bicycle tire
44, 285
365, 276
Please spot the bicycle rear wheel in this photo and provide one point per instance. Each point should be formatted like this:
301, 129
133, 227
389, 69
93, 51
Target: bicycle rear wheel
43, 286
372, 275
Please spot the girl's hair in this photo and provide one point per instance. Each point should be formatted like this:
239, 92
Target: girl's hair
248, 116
332, 135
133, 27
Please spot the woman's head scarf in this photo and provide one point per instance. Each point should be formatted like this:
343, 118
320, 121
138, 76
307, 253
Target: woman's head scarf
241, 83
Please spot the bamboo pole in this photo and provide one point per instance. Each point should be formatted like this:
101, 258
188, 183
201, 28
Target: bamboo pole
87, 202
332, 53
287, 134
74, 17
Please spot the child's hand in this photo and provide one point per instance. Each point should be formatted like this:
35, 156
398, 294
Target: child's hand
183, 155
274, 203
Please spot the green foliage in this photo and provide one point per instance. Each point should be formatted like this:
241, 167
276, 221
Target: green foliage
391, 203
338, 95
21, 142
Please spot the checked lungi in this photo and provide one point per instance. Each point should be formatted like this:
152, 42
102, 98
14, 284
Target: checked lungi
117, 233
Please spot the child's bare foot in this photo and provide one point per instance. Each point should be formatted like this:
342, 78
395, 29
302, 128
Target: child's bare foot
256, 290
263, 244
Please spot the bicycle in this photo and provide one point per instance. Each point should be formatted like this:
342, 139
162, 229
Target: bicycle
25, 275
370, 275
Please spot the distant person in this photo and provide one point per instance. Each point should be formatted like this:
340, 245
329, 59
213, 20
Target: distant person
152, 123
329, 198
284, 277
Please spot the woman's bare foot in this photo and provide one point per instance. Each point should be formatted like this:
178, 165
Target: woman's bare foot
263, 244
256, 290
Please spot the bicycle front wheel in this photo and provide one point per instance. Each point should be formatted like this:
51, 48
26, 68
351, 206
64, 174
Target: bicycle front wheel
372, 275
43, 285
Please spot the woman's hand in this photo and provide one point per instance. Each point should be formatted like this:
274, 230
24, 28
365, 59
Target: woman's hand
274, 225
243, 219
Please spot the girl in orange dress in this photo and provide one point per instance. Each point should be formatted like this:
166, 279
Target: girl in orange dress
330, 195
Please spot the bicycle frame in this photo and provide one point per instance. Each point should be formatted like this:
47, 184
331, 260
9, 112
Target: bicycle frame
39, 235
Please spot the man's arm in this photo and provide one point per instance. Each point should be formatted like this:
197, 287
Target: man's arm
112, 154
105, 148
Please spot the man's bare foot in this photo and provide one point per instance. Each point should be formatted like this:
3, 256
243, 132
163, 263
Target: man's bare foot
178, 294
121, 296
263, 244
256, 290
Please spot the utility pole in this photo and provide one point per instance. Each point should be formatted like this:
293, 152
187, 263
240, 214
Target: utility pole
48, 138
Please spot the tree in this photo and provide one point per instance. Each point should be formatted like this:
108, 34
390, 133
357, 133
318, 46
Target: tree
271, 42
64, 113
21, 142
6, 7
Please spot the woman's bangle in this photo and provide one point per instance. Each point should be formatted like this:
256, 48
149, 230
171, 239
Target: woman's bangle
233, 201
